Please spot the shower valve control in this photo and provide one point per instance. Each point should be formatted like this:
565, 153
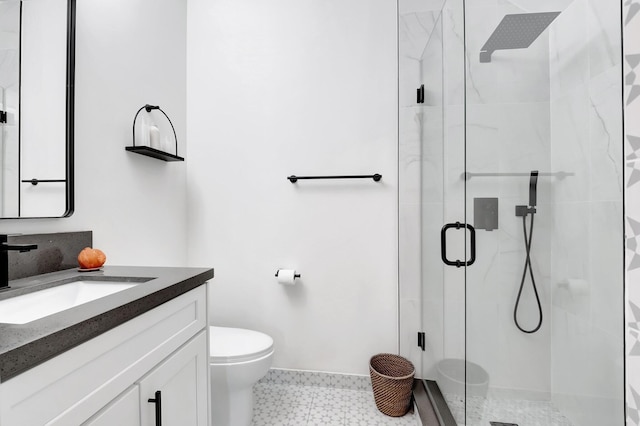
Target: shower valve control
524, 211
3, 116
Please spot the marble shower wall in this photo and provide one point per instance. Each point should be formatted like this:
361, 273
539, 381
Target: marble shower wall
507, 131
631, 64
587, 264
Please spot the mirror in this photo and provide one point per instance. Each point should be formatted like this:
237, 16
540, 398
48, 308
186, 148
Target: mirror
37, 48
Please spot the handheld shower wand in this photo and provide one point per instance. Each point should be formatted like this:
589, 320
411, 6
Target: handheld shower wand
524, 211
533, 188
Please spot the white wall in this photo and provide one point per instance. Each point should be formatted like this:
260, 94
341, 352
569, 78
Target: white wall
128, 54
296, 87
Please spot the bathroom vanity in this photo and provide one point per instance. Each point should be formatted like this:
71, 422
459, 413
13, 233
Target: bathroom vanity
126, 358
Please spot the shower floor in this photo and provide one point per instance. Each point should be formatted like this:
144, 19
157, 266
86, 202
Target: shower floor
482, 411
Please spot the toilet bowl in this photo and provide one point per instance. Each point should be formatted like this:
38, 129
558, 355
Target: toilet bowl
460, 377
238, 358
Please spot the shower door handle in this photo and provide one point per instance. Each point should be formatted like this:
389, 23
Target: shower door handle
443, 244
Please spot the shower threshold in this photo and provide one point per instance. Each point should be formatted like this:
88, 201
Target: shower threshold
431, 403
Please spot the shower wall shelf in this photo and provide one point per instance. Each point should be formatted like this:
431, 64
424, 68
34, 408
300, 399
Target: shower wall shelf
559, 175
147, 150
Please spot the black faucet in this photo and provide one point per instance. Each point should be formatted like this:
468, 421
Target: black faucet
5, 247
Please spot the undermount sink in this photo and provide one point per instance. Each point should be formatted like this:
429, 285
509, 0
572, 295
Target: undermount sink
39, 304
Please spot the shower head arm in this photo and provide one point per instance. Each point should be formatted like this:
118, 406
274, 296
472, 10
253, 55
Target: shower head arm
485, 56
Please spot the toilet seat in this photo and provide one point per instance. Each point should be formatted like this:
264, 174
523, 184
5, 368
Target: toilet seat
231, 345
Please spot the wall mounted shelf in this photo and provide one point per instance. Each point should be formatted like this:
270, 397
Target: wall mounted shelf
152, 152
147, 150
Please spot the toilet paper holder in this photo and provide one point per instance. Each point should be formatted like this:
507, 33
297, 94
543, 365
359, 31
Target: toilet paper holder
294, 275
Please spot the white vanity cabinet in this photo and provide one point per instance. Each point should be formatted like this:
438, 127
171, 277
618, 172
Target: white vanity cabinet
124, 411
181, 381
110, 379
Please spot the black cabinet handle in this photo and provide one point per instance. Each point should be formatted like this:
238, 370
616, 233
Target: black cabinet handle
158, 401
443, 244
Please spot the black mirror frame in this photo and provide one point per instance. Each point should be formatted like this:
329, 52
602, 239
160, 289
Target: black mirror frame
69, 119
70, 130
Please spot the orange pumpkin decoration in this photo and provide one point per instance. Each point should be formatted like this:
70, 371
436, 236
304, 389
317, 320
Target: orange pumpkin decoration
90, 258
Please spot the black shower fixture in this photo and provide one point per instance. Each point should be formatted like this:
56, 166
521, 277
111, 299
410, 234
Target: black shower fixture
516, 31
524, 211
533, 188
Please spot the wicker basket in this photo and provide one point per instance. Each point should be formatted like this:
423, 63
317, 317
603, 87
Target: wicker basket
392, 381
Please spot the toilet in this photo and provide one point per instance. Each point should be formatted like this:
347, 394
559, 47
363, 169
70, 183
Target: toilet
238, 358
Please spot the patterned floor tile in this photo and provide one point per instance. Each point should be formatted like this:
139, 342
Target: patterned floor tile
329, 398
267, 395
270, 416
298, 416
297, 396
480, 411
294, 405
326, 416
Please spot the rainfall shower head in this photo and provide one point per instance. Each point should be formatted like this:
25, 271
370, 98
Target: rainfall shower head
516, 31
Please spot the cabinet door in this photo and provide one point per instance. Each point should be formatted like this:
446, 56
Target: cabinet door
123, 411
182, 382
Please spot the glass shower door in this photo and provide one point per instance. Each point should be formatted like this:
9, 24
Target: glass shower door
543, 190
431, 156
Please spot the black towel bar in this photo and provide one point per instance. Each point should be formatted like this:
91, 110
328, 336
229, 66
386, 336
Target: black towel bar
376, 177
37, 181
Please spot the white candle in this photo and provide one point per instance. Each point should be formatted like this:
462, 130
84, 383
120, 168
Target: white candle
154, 136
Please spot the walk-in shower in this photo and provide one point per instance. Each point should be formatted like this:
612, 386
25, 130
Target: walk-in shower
519, 120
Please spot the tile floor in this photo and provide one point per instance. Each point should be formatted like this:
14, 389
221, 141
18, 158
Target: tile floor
480, 411
281, 404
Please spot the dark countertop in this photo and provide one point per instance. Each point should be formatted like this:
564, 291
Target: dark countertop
23, 346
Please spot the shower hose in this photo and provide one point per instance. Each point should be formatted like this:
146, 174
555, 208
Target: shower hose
527, 267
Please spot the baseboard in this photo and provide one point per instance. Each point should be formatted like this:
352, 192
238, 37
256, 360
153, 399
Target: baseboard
282, 376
